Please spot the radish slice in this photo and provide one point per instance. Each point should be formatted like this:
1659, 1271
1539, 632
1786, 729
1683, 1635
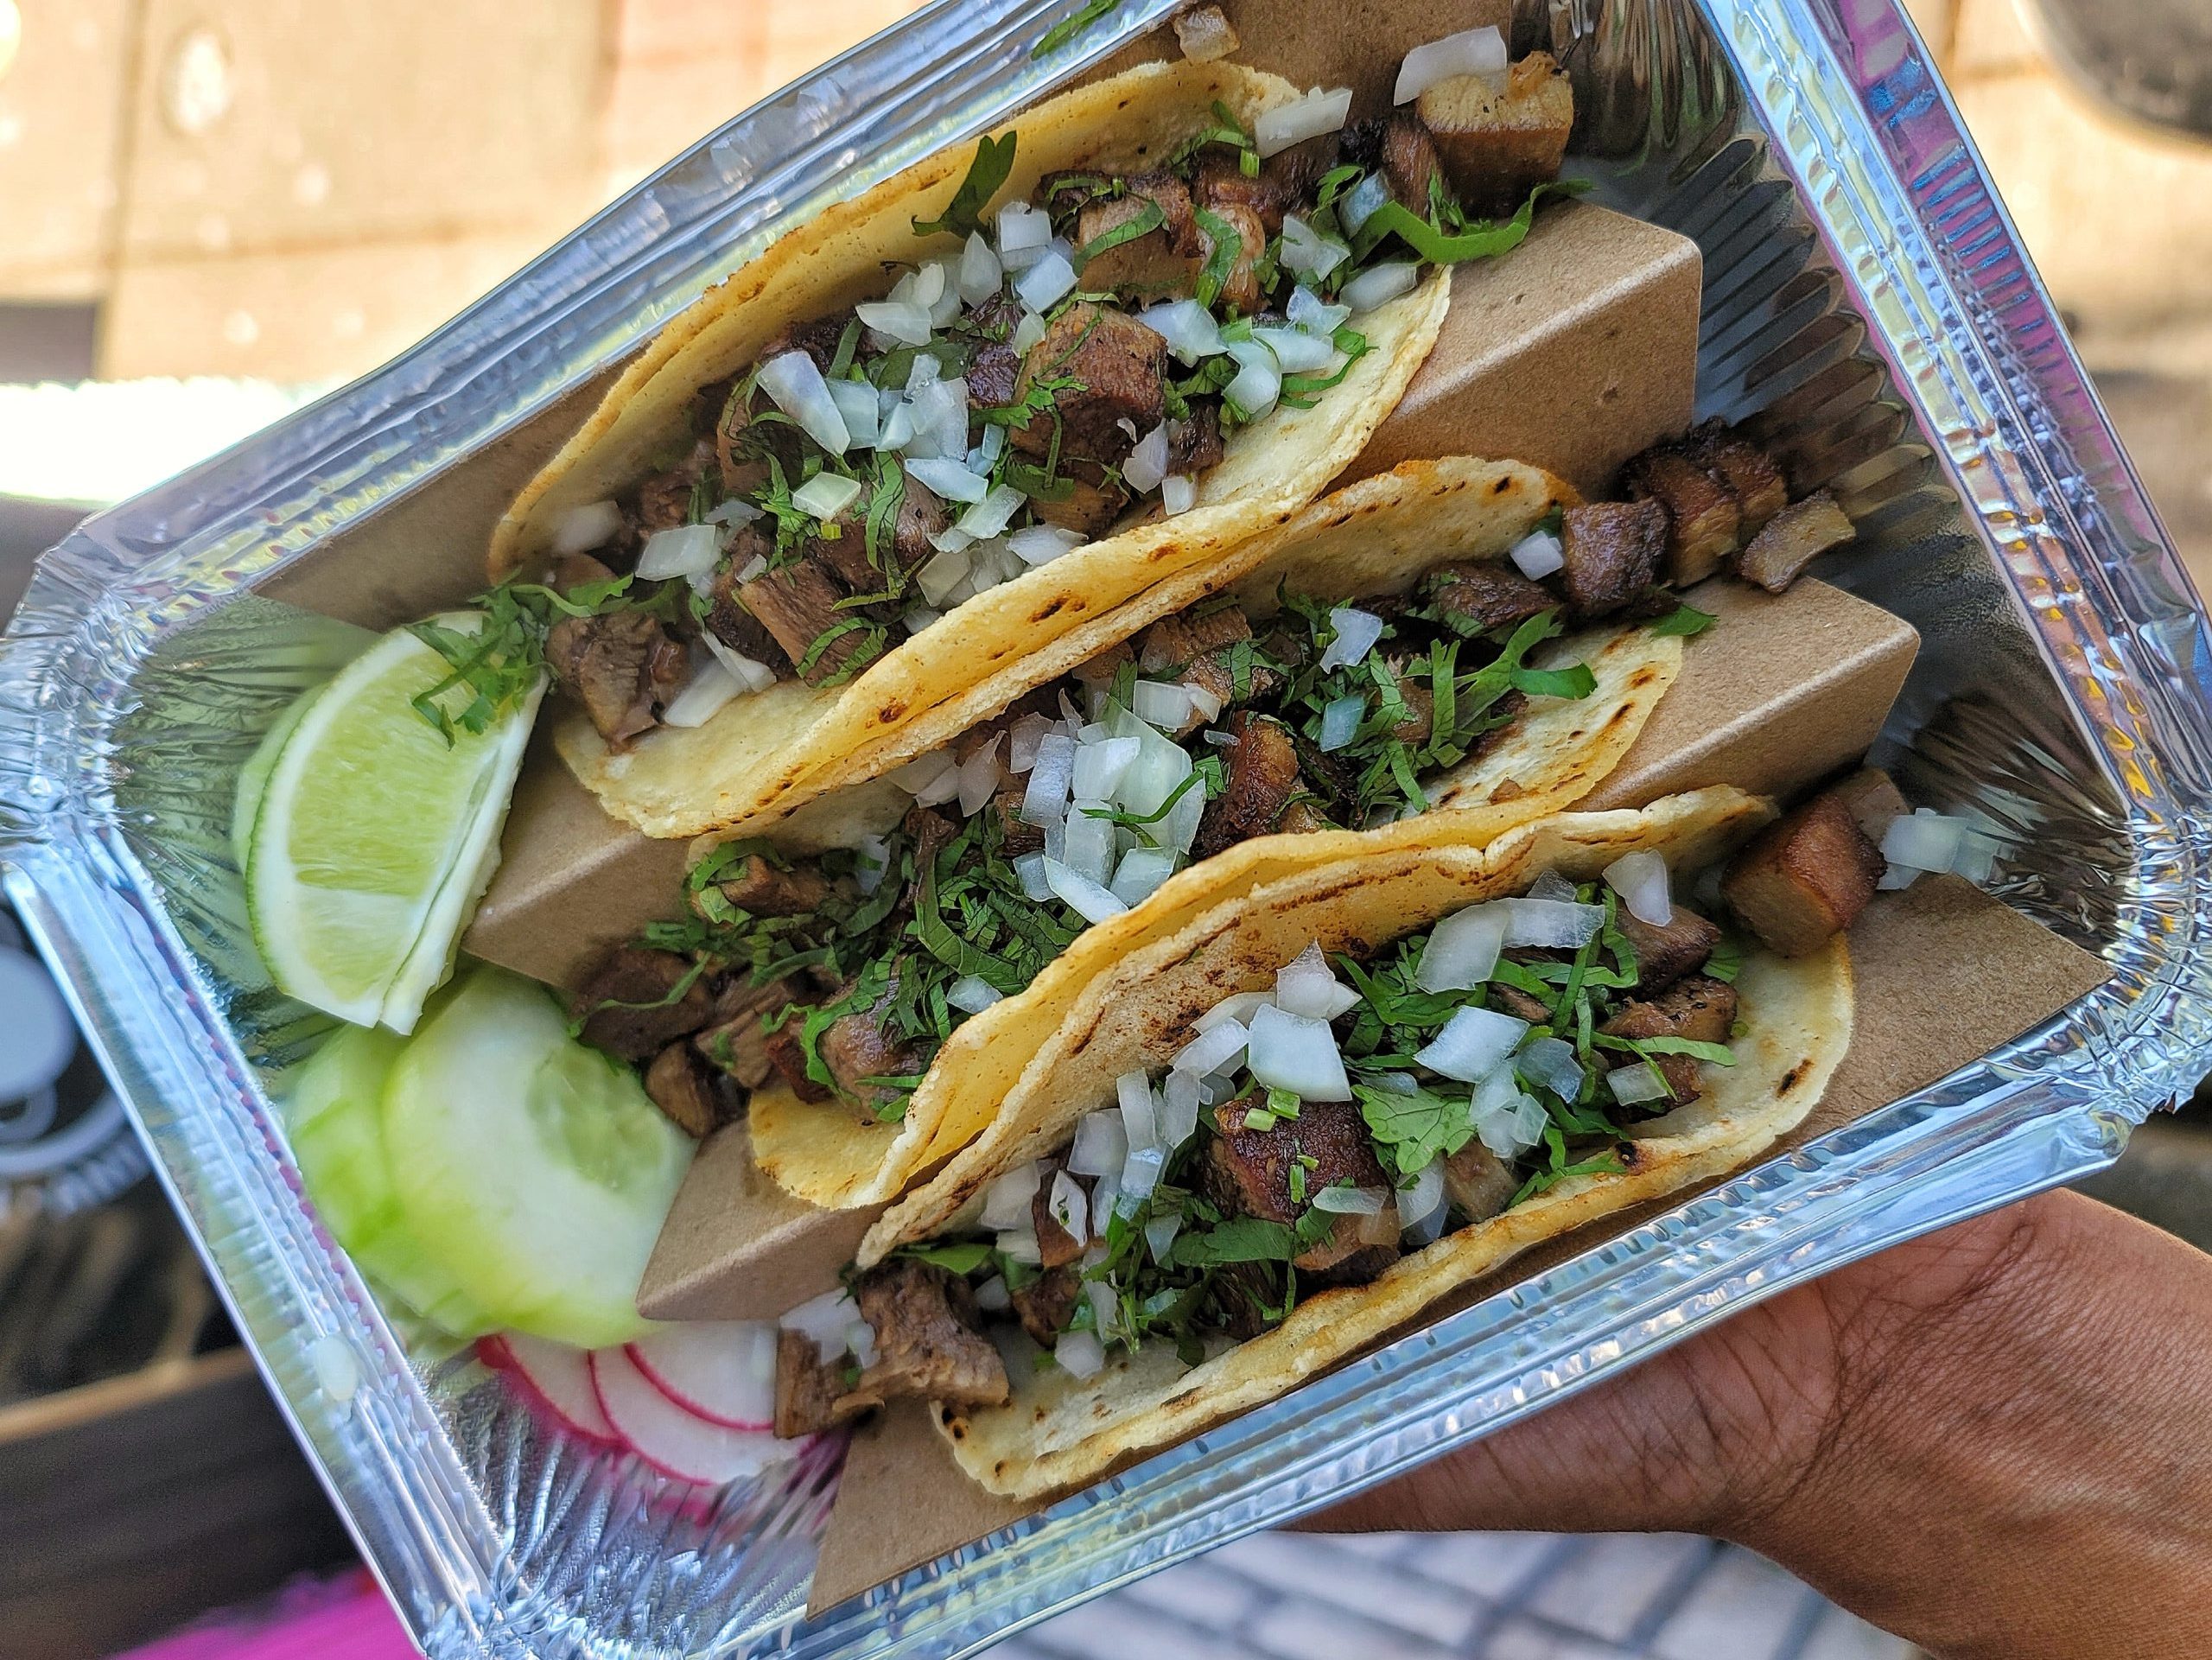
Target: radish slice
555, 1379
672, 1440
723, 1372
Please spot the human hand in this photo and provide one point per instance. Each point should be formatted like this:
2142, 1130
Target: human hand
1996, 1441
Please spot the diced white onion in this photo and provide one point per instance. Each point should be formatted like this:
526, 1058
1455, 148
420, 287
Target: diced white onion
1100, 1145
1105, 1201
680, 551
1019, 1244
1179, 1109
944, 573
1046, 281
1378, 285
1351, 1201
1472, 1045
592, 525
1187, 327
1309, 253
1140, 1110
979, 777
795, 386
980, 274
1045, 800
1239, 1008
1340, 720
1030, 867
901, 322
1163, 704
988, 450
992, 1296
1021, 742
1306, 985
1086, 898
1039, 544
1551, 1062
1070, 1205
1425, 1197
1006, 1200
1211, 1051
872, 861
1028, 332
858, 403
1021, 227
1307, 117
826, 495
1551, 925
971, 994
950, 479
1357, 633
1925, 841
1637, 1082
1100, 767
1550, 885
1471, 51
1159, 1234
1105, 1303
1640, 879
1087, 847
1509, 1123
1143, 871
1258, 383
1147, 462
1308, 311
989, 516
1290, 1051
1296, 350
1177, 494
1538, 555
827, 1318
735, 510
754, 676
1141, 1174
1080, 1354
711, 686
926, 772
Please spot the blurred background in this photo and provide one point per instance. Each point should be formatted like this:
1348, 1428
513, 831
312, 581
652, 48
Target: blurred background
212, 210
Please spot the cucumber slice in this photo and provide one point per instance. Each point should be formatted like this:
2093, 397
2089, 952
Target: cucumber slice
533, 1168
335, 1119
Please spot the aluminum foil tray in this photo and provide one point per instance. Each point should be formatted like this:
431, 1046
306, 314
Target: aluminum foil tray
1866, 302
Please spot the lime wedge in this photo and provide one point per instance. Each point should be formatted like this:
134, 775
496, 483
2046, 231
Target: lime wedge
253, 778
374, 836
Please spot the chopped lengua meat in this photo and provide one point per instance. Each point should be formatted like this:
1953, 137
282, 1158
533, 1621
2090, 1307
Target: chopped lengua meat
575, 570
1262, 777
1703, 518
729, 621
1510, 1000
1020, 836
1793, 538
1399, 147
681, 1087
811, 1393
631, 1006
1046, 1304
1611, 549
786, 1053
1248, 1174
1478, 1183
798, 605
930, 830
757, 884
1497, 146
1055, 1244
736, 1037
992, 374
621, 666
1162, 263
1177, 641
1874, 800
928, 1336
818, 339
1805, 877
1100, 368
855, 1048
1240, 287
1749, 471
1486, 595
664, 499
1085, 499
1698, 1009
1286, 181
1196, 444
1665, 955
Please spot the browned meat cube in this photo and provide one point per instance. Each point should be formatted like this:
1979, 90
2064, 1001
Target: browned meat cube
1748, 471
786, 1053
1399, 147
1665, 955
855, 1048
664, 499
1793, 538
1088, 502
1478, 1183
929, 1340
1248, 1174
798, 605
575, 570
1285, 185
1497, 146
1215, 674
1018, 837
1702, 516
1204, 33
1104, 368
1161, 264
1195, 445
811, 1393
1046, 1304
630, 1007
817, 338
1612, 550
1055, 1244
1262, 768
727, 619
1805, 877
622, 667
756, 884
1101, 669
736, 1038
1485, 595
1507, 1000
992, 374
1874, 801
1421, 703
1240, 287
1303, 817
681, 1086
929, 829
1178, 641
1698, 1008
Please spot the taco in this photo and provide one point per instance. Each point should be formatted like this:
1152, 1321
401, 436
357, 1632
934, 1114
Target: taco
1153, 319
1268, 1141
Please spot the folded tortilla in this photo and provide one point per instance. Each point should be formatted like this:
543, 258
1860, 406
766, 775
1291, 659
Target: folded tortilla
1058, 1432
763, 754
1380, 536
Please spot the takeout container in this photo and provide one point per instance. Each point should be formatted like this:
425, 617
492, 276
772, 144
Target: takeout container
1864, 301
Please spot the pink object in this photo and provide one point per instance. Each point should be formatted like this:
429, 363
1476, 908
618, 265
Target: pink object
555, 1379
722, 1370
343, 1619
675, 1442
